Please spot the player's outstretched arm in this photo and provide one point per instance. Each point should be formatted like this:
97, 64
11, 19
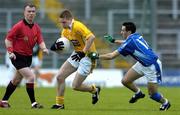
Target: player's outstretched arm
107, 56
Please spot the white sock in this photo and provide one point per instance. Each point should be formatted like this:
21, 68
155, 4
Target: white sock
166, 101
5, 101
138, 91
34, 103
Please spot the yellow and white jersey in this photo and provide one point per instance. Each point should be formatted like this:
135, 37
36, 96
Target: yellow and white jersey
78, 34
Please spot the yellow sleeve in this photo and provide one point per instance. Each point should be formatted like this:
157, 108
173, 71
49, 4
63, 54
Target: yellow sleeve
40, 55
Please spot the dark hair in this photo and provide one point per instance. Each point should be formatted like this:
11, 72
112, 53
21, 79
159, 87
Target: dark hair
130, 26
30, 5
66, 14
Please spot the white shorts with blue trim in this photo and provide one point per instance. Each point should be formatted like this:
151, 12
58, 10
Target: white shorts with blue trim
149, 72
83, 67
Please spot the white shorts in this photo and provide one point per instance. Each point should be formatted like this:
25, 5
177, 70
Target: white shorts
36, 61
150, 72
83, 67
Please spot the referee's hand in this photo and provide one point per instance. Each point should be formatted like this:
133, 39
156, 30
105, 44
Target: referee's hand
45, 50
12, 56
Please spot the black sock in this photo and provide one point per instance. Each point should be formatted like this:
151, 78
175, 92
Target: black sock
9, 90
30, 91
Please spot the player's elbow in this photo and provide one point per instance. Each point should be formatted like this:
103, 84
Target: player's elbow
6, 41
92, 38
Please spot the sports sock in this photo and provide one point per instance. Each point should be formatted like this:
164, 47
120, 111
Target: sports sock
166, 101
59, 100
93, 89
138, 91
156, 97
30, 91
34, 103
9, 90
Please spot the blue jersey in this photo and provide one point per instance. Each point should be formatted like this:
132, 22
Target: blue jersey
137, 47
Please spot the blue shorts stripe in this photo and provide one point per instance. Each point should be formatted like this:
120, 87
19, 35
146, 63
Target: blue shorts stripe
158, 69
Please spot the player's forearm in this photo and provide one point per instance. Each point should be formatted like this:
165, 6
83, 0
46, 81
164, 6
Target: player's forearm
118, 41
107, 56
42, 46
88, 44
9, 46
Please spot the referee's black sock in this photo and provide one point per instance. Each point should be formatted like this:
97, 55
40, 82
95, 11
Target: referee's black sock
30, 91
9, 90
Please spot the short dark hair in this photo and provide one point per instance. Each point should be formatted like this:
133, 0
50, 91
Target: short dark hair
130, 26
66, 14
30, 5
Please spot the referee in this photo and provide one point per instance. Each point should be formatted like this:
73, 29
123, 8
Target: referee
19, 42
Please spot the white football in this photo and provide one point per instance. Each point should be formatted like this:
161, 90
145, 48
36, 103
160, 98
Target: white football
66, 44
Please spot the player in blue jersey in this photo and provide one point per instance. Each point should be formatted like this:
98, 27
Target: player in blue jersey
147, 65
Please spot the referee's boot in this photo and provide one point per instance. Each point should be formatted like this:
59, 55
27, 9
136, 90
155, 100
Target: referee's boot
135, 97
4, 104
95, 96
36, 105
58, 106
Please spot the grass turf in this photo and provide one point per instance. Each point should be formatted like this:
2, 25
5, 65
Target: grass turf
113, 101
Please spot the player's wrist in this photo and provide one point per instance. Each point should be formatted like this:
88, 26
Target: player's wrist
112, 40
81, 54
43, 49
10, 50
85, 52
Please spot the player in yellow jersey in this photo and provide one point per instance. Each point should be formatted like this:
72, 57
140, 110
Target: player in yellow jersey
83, 41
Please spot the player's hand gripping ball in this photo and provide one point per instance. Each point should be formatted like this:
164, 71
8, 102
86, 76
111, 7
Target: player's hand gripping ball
61, 45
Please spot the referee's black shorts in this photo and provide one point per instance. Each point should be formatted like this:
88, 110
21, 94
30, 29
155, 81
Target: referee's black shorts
21, 61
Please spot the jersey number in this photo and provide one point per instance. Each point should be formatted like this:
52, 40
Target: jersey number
142, 43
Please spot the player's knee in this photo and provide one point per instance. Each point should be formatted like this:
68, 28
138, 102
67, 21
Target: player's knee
75, 86
16, 82
60, 79
156, 96
124, 82
31, 79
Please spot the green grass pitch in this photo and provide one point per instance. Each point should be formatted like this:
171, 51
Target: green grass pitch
113, 101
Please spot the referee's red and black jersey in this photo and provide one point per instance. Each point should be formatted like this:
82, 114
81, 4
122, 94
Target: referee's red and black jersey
24, 37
